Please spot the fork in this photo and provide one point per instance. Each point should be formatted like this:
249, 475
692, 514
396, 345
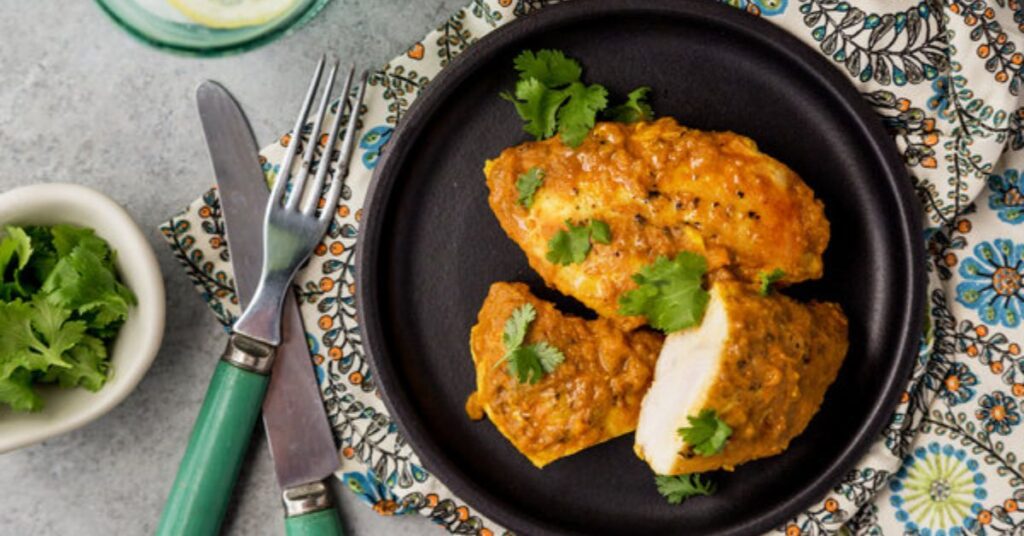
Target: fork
296, 218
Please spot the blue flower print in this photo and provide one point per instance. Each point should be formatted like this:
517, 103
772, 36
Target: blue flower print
375, 493
1007, 197
958, 385
994, 282
939, 100
767, 8
373, 141
937, 490
998, 413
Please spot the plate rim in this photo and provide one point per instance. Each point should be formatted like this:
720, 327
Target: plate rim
385, 177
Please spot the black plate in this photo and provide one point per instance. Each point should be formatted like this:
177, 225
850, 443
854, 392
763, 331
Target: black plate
430, 247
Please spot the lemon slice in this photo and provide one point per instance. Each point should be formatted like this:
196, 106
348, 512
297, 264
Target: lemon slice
232, 13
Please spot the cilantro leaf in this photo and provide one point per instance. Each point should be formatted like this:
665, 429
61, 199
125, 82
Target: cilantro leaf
678, 488
569, 247
600, 232
60, 304
88, 365
577, 116
85, 282
68, 237
15, 251
549, 356
531, 363
528, 364
527, 184
524, 365
36, 335
44, 256
537, 105
634, 109
516, 326
706, 434
669, 293
16, 391
549, 67
767, 279
550, 97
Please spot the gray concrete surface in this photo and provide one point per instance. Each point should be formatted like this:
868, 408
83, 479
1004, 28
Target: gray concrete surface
80, 101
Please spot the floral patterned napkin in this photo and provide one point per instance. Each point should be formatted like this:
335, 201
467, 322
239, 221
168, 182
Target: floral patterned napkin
945, 79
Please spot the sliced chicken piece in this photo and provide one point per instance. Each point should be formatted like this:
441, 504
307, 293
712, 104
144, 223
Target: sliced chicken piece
761, 363
594, 395
662, 189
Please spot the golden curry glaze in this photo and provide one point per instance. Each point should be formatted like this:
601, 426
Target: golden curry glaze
780, 357
662, 188
593, 396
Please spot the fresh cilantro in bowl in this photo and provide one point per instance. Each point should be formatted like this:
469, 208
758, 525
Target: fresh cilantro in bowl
61, 305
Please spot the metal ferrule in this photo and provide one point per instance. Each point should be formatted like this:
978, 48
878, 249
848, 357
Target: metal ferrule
306, 499
249, 354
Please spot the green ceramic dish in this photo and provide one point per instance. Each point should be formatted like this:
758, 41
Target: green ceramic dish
158, 24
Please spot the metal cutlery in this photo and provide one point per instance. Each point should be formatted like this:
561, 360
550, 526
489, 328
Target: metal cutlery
295, 219
300, 437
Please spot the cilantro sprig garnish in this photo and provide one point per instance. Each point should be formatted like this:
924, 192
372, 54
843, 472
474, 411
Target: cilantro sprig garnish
669, 293
706, 434
767, 279
551, 97
528, 364
678, 488
636, 108
60, 303
571, 245
527, 184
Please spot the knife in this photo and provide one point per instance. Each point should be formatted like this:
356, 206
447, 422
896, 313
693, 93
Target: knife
300, 438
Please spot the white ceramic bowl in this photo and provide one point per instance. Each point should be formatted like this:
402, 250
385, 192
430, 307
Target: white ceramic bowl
139, 339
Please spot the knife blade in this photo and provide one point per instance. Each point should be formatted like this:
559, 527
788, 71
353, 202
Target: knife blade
298, 432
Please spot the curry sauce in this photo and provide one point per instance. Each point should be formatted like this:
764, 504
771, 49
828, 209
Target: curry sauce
662, 188
591, 397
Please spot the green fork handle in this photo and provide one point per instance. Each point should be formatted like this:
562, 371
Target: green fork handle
320, 523
220, 438
309, 510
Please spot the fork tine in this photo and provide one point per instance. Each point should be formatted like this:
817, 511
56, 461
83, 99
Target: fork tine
309, 208
293, 145
346, 152
299, 181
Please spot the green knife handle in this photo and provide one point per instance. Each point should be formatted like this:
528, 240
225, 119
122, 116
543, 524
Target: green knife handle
220, 437
309, 510
320, 523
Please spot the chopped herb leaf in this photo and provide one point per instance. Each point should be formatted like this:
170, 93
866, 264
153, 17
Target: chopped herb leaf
16, 391
767, 279
537, 105
60, 304
528, 364
669, 293
600, 232
516, 326
527, 184
549, 67
15, 250
678, 488
577, 116
636, 108
569, 246
550, 97
706, 434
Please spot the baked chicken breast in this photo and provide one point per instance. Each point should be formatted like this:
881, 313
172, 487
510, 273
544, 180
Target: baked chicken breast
761, 363
662, 189
594, 395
